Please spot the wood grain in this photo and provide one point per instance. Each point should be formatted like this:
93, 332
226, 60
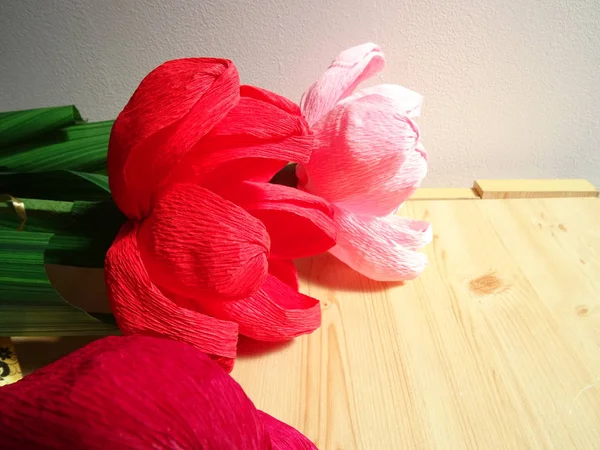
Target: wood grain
496, 345
489, 189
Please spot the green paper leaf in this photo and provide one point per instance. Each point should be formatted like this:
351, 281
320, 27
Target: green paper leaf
86, 238
81, 232
52, 139
30, 305
42, 216
82, 131
56, 165
17, 127
86, 154
66, 185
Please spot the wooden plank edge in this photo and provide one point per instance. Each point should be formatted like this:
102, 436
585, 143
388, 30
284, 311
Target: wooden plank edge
565, 188
444, 194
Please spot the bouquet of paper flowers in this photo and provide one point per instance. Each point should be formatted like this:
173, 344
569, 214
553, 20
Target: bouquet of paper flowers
180, 200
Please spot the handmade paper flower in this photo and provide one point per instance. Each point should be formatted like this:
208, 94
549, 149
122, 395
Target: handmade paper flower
367, 161
207, 252
137, 392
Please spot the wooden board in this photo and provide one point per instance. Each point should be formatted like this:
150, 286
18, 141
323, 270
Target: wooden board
496, 345
534, 188
444, 194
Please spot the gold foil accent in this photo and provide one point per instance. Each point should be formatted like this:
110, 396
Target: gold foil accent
19, 208
10, 370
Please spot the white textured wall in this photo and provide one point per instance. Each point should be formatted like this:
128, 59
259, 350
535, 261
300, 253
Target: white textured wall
512, 87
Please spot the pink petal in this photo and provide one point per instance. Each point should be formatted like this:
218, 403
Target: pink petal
285, 270
299, 224
381, 248
346, 72
407, 102
256, 140
196, 243
171, 110
141, 308
367, 156
284, 437
275, 313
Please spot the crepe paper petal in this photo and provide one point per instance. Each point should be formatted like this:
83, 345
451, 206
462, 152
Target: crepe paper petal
254, 142
254, 121
381, 248
391, 195
252, 195
115, 394
197, 243
407, 102
346, 72
297, 232
172, 109
284, 437
141, 308
270, 97
249, 168
366, 156
299, 224
275, 313
285, 270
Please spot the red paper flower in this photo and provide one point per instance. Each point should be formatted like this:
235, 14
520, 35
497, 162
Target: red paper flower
207, 251
137, 392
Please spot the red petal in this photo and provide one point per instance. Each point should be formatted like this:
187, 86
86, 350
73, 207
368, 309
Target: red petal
196, 243
284, 437
270, 97
172, 109
254, 121
275, 313
141, 308
285, 270
253, 142
299, 224
297, 232
112, 394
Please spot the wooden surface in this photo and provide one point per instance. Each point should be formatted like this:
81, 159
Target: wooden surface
444, 194
489, 189
496, 345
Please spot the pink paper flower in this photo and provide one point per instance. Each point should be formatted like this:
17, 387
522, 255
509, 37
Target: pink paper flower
367, 161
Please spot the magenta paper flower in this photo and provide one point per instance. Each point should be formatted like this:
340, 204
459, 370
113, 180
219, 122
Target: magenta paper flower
367, 161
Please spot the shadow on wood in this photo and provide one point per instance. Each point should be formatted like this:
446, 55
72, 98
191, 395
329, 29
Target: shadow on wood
327, 271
